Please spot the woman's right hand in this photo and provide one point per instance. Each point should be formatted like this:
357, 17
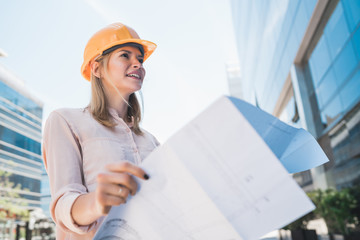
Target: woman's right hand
113, 187
89, 207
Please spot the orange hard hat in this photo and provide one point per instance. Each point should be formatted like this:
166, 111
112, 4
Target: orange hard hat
108, 37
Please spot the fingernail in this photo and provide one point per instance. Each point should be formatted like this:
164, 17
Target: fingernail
146, 176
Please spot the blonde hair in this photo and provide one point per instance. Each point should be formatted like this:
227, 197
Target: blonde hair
98, 105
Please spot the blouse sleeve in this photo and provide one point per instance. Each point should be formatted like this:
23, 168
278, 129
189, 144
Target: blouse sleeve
63, 162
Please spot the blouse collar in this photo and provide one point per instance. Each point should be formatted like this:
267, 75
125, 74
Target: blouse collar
115, 115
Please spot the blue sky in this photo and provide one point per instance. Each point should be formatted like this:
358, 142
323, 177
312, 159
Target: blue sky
45, 39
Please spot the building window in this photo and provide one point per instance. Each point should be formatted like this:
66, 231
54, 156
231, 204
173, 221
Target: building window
335, 63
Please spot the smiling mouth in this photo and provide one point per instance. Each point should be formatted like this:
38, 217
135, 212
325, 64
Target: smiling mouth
134, 76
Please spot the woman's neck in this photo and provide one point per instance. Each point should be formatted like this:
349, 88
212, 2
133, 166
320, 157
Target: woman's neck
118, 103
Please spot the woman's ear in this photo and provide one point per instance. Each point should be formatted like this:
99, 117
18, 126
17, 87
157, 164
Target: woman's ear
95, 69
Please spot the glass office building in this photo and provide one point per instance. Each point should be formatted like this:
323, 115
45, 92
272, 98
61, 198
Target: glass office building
20, 137
300, 61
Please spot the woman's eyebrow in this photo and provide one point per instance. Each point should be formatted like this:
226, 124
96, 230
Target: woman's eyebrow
122, 50
129, 52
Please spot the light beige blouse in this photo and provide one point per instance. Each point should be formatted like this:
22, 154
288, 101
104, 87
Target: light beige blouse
76, 148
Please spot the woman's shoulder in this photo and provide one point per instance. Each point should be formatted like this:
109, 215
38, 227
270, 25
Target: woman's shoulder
70, 112
70, 115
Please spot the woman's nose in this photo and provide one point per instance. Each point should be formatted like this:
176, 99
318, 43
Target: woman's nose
136, 63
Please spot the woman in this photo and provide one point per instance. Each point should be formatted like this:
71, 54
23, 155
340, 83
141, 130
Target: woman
91, 154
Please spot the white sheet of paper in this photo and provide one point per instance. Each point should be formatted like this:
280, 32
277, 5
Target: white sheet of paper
214, 179
171, 205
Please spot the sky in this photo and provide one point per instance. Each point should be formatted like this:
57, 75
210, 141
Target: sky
45, 40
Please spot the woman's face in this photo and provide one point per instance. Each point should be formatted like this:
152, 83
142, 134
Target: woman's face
125, 70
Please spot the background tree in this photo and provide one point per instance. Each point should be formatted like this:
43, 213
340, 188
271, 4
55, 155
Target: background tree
337, 209
355, 191
11, 203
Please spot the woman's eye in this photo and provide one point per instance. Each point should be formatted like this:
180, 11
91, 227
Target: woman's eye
141, 60
124, 55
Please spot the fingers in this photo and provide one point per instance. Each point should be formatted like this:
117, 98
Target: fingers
108, 195
104, 209
127, 167
116, 179
106, 201
115, 190
114, 187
